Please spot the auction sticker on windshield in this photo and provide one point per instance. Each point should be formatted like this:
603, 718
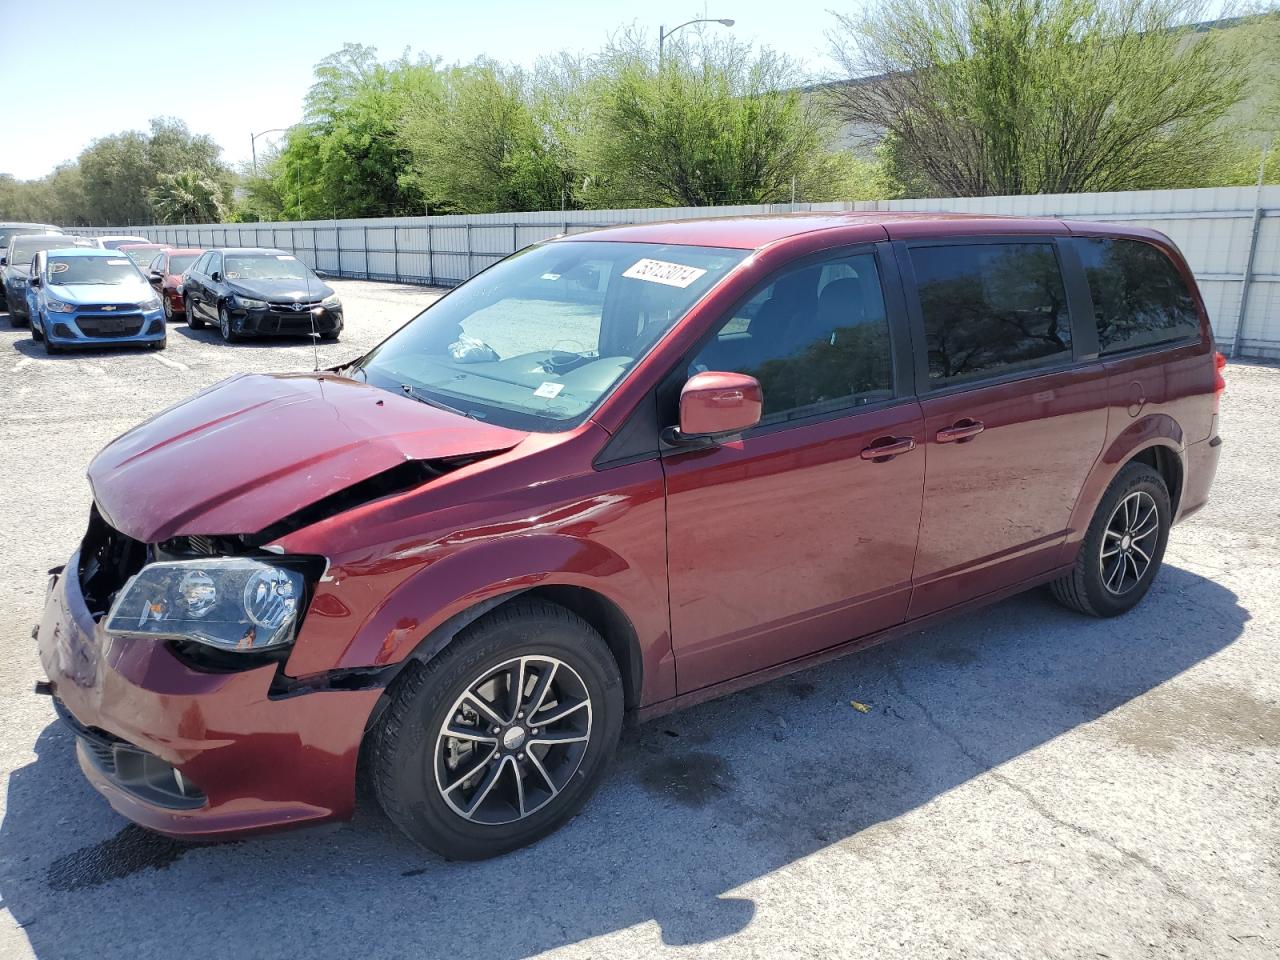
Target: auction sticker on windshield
661, 271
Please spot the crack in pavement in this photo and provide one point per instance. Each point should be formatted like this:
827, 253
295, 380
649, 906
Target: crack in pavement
1040, 808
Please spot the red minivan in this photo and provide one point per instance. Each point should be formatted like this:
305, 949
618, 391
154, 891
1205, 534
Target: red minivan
616, 474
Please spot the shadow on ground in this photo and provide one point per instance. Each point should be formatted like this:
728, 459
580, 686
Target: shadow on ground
698, 804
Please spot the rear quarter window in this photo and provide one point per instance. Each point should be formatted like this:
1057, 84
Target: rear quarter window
1139, 296
991, 309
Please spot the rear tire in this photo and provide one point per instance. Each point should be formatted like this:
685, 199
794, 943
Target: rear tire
486, 793
1131, 525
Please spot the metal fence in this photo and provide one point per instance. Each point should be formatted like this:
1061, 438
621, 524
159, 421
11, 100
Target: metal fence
1230, 236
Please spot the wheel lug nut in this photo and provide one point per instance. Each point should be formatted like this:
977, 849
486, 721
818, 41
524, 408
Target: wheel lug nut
519, 716
496, 730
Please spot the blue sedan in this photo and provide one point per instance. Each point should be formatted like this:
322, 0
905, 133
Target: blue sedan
87, 297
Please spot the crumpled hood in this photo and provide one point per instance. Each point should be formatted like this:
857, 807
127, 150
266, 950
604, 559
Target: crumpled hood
282, 289
253, 449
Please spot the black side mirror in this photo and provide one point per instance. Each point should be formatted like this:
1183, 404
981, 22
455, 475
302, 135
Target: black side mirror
216, 277
320, 275
156, 278
3, 261
35, 282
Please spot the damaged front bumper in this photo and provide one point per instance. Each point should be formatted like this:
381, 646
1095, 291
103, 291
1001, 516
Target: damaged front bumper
192, 752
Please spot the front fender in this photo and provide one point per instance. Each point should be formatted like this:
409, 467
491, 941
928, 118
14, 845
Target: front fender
1153, 430
440, 593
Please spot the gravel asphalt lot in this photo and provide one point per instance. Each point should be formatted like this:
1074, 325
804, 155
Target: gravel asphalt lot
1027, 783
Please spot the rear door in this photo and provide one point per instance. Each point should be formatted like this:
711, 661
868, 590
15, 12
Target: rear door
800, 536
1015, 409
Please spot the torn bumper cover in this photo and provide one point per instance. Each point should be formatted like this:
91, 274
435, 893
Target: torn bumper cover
191, 752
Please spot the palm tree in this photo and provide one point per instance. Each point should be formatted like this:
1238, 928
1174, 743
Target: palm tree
187, 196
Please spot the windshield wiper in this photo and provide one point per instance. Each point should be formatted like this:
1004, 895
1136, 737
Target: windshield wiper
416, 394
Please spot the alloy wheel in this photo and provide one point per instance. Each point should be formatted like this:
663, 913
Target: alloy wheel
1129, 542
513, 740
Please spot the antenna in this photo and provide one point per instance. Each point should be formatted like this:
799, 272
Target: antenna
311, 313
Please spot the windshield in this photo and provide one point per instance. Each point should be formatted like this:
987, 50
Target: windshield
141, 255
178, 263
6, 233
69, 271
25, 248
538, 340
266, 266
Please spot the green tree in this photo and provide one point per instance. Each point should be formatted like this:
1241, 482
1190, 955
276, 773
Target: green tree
188, 196
118, 173
347, 158
989, 97
713, 122
261, 191
479, 147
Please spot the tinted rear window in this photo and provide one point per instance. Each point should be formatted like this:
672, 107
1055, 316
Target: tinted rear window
1139, 298
991, 309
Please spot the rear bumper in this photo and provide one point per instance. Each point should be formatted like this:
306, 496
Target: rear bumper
1202, 467
252, 762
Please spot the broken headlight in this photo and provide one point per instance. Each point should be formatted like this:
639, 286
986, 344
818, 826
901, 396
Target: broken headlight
232, 603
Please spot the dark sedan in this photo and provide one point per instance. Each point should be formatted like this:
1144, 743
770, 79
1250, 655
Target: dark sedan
251, 291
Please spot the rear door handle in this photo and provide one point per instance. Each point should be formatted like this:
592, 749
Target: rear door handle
884, 449
962, 430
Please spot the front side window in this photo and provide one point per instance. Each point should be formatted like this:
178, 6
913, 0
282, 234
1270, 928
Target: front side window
214, 265
991, 309
536, 341
816, 337
1139, 298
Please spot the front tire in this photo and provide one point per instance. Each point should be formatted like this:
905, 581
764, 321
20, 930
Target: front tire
501, 738
224, 326
194, 322
1123, 548
37, 330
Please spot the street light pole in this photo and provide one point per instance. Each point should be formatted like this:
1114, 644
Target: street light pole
253, 144
663, 32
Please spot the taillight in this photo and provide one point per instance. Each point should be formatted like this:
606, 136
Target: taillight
1219, 384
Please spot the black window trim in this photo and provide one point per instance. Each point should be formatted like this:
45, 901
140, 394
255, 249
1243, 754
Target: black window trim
1142, 349
631, 443
1084, 335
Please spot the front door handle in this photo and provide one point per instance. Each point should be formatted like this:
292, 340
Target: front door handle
961, 431
884, 449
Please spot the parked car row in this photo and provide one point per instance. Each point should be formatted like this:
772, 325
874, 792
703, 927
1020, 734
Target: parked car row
115, 290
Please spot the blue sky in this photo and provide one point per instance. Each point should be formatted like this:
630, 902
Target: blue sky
232, 69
